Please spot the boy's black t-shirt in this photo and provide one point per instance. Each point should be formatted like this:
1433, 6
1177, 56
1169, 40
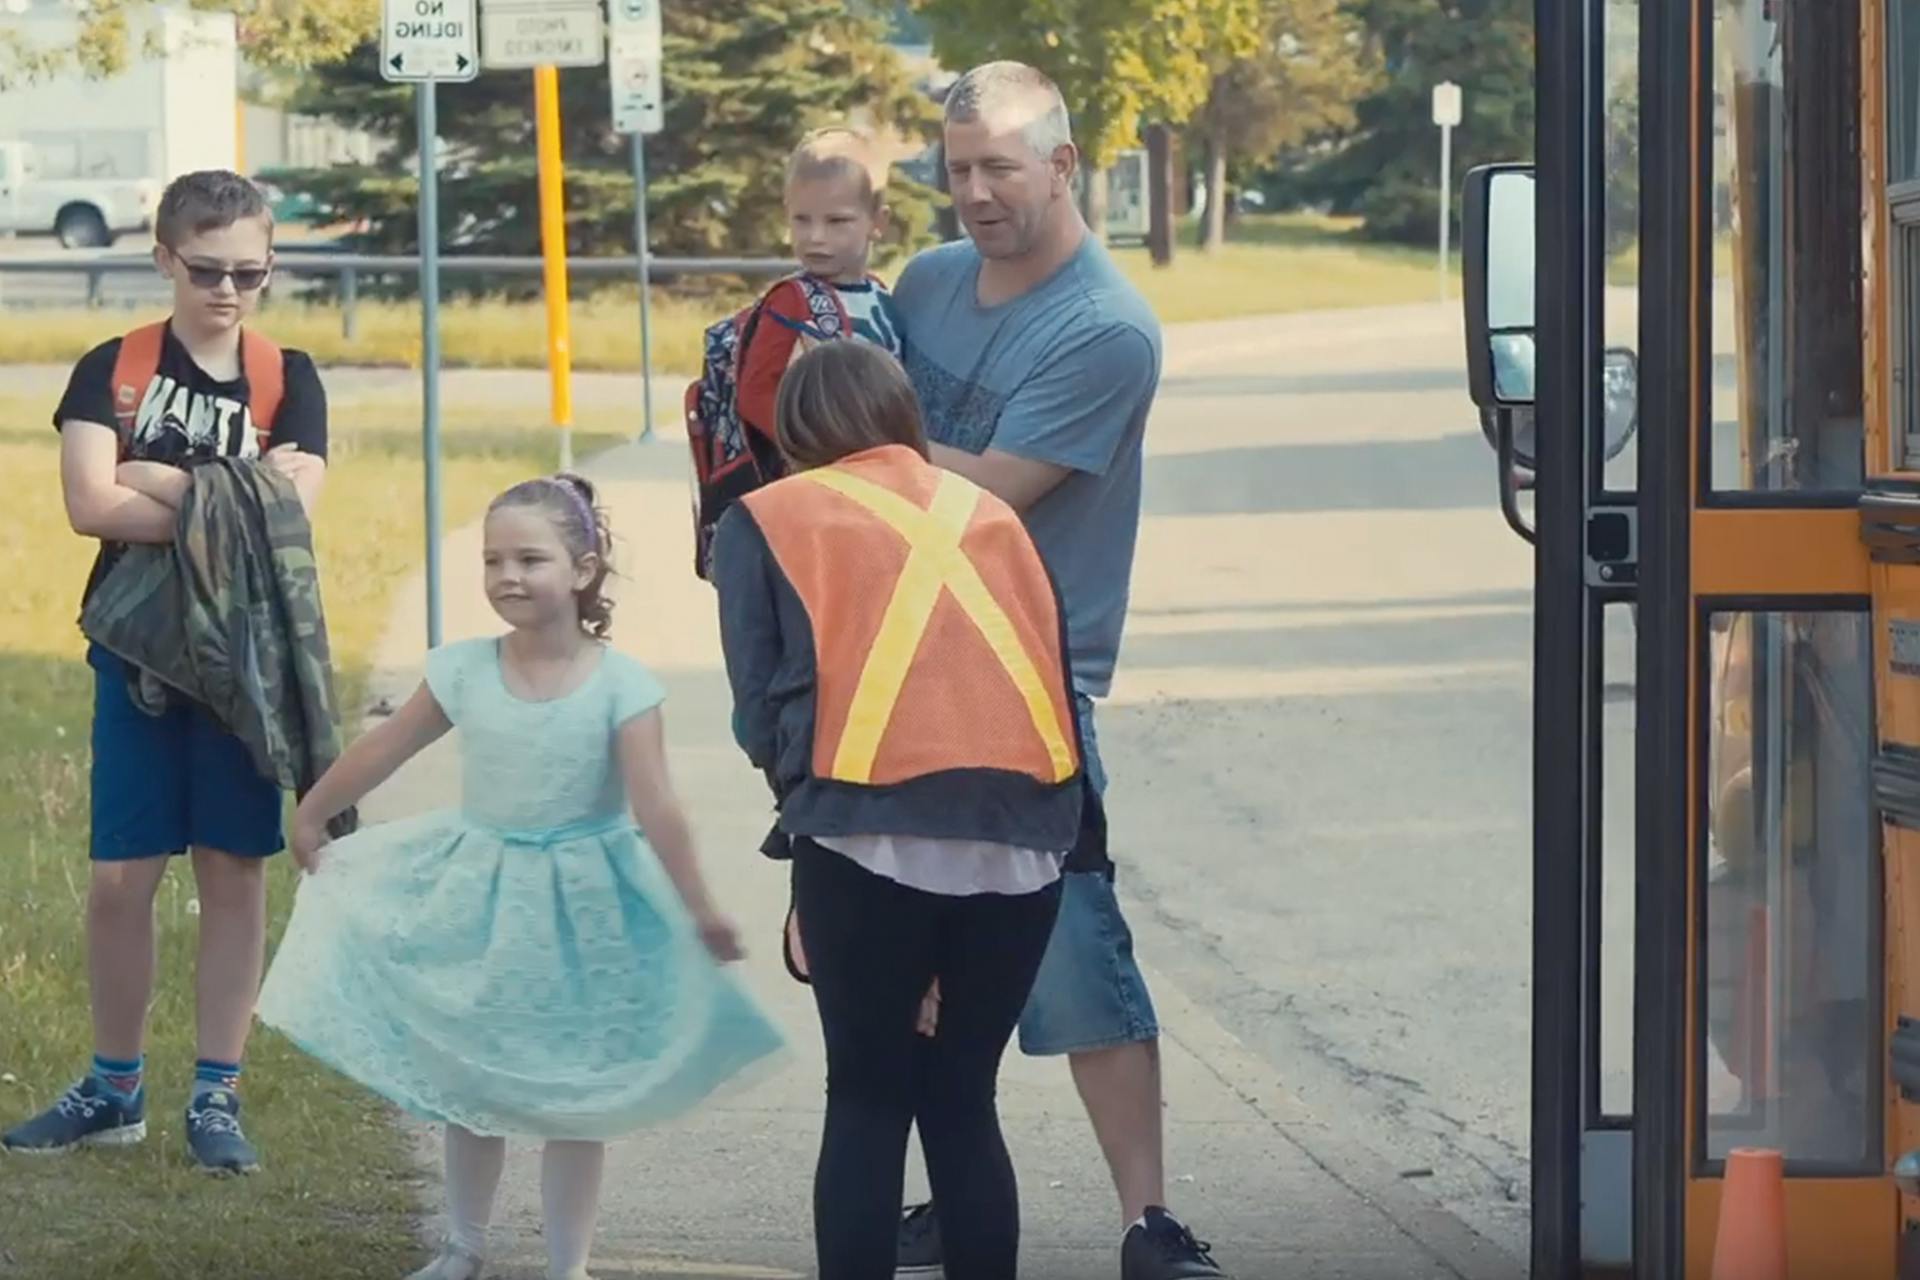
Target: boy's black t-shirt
193, 416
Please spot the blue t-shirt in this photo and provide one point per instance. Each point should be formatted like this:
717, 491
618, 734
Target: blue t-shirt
1065, 373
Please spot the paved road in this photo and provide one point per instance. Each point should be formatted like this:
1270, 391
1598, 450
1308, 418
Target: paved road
1321, 736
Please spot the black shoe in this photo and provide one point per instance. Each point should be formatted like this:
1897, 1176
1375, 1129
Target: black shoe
1158, 1247
919, 1243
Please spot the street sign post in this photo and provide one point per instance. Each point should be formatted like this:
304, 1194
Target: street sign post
429, 235
423, 42
526, 34
635, 66
1446, 114
545, 35
553, 249
427, 40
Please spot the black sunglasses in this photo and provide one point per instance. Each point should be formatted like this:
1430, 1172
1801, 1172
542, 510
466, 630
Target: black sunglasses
245, 279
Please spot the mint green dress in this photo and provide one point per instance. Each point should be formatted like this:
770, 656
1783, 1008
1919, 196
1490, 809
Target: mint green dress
521, 965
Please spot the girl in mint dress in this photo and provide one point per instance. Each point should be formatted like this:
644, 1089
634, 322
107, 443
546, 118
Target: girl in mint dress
532, 963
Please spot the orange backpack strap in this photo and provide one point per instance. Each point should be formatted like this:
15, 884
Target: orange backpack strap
261, 360
133, 371
266, 368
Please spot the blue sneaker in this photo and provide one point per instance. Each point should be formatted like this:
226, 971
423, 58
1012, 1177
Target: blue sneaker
87, 1115
214, 1137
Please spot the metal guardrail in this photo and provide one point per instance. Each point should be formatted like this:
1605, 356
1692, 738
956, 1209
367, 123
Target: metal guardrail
350, 268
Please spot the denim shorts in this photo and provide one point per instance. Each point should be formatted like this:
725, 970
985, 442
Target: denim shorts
1089, 993
163, 784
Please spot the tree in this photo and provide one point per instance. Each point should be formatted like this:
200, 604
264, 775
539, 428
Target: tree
745, 79
1116, 61
1308, 68
903, 24
1621, 164
1389, 171
276, 33
1620, 139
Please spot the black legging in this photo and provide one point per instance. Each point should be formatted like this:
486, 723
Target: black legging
873, 946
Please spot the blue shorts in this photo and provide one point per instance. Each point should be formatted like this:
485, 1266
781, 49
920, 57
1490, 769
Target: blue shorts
1089, 993
164, 784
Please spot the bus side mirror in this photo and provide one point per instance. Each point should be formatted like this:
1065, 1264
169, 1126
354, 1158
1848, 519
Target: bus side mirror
1497, 259
1497, 249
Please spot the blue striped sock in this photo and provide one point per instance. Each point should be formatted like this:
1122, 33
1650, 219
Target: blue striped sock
119, 1076
209, 1075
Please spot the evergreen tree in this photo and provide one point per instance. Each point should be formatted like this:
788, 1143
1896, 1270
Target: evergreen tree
903, 24
744, 81
1389, 171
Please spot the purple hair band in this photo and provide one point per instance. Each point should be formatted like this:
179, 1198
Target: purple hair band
580, 505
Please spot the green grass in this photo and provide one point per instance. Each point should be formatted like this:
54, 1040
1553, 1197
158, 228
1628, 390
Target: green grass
482, 334
339, 1193
1277, 264
1271, 265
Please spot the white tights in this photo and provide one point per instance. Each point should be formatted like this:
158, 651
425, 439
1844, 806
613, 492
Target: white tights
569, 1194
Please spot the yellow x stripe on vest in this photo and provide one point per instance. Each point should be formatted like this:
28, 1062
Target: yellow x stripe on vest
935, 562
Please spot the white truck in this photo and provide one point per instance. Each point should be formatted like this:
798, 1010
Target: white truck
85, 158
83, 213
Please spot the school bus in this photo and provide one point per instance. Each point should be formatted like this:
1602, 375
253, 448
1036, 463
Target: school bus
1693, 336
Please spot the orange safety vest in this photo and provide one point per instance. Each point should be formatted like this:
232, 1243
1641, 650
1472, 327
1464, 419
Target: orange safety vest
262, 363
937, 634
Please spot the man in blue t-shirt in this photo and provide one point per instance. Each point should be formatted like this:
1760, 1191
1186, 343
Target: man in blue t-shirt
1036, 363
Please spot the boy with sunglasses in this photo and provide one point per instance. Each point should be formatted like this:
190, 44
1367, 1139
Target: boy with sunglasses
138, 411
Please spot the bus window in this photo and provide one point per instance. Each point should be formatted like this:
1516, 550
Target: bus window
1614, 905
1791, 890
1620, 158
1788, 374
1903, 205
1903, 85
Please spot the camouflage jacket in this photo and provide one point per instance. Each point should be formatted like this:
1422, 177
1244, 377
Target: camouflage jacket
228, 614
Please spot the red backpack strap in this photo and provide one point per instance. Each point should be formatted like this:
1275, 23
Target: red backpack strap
765, 350
265, 366
133, 370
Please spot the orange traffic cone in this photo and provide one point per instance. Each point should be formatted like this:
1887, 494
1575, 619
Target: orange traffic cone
1751, 1243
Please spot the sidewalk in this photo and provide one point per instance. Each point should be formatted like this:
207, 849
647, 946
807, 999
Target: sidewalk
728, 1192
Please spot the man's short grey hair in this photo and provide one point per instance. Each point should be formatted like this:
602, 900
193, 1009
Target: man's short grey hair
1000, 89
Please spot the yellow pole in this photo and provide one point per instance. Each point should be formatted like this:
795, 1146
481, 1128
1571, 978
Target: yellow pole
553, 253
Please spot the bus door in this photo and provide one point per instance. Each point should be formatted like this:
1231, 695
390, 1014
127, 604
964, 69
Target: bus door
1676, 343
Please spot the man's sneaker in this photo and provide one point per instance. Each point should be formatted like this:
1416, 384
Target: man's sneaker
214, 1137
1158, 1247
919, 1243
87, 1115
452, 1263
